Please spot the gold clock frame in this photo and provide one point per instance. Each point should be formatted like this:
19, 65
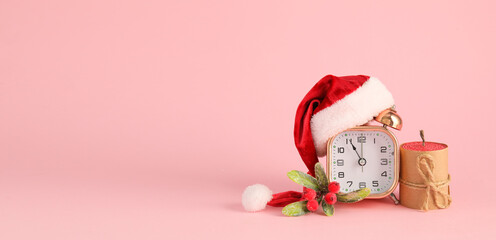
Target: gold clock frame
396, 157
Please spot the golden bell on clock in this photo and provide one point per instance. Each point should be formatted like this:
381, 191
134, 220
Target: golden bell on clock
390, 118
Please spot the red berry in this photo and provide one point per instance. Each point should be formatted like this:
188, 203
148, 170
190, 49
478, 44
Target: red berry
312, 205
334, 187
330, 198
309, 194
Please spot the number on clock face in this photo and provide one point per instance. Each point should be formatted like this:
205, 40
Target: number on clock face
362, 159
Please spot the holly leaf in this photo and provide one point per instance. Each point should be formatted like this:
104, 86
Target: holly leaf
322, 179
303, 179
328, 209
295, 209
354, 196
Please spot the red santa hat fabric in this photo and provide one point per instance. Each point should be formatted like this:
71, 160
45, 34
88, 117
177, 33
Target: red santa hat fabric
335, 104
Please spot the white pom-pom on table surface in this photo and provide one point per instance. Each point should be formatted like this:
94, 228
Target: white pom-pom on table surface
256, 197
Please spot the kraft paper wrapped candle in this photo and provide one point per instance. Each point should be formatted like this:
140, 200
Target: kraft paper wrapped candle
424, 177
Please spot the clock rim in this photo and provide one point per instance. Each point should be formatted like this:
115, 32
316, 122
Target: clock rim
396, 157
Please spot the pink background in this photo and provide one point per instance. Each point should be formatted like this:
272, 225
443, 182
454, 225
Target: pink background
147, 119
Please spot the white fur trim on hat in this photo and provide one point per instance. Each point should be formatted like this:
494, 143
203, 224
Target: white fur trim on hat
355, 109
256, 197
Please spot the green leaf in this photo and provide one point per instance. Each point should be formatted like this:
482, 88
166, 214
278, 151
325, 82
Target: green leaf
328, 209
322, 179
354, 196
295, 209
303, 179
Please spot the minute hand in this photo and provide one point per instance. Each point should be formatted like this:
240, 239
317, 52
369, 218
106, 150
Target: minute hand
354, 148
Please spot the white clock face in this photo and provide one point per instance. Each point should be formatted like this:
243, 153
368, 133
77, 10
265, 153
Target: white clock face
362, 159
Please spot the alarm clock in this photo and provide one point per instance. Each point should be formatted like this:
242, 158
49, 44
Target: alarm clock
367, 157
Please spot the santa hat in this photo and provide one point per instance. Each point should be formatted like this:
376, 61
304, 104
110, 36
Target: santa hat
334, 104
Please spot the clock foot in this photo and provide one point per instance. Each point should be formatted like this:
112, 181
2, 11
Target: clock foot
394, 198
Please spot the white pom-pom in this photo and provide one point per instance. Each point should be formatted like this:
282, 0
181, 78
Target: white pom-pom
256, 197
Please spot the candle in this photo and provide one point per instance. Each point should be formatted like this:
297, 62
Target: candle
424, 176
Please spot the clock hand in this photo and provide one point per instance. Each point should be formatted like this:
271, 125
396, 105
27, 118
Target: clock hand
361, 148
361, 160
361, 151
354, 148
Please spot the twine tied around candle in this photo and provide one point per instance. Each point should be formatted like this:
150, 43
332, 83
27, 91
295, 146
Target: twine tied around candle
425, 167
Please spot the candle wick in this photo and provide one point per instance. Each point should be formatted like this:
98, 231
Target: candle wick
422, 136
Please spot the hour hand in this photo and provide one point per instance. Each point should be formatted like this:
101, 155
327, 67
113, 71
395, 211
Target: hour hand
354, 149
